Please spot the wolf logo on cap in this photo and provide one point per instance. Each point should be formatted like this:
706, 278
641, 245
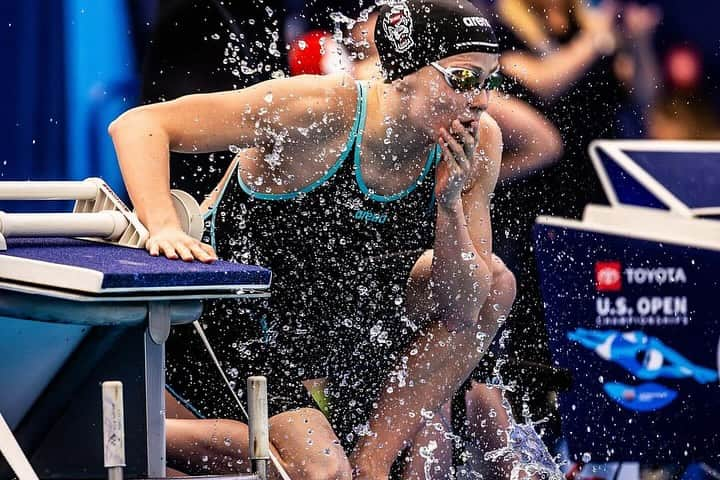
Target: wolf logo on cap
398, 26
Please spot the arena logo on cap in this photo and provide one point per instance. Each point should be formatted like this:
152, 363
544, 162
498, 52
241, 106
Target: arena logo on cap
398, 27
475, 22
608, 276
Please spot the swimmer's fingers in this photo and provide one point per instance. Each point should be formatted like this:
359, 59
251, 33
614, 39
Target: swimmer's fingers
466, 136
203, 252
167, 249
208, 249
152, 247
191, 249
456, 149
453, 150
449, 157
184, 252
448, 178
174, 243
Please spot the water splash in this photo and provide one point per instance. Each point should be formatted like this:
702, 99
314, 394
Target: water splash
524, 446
427, 452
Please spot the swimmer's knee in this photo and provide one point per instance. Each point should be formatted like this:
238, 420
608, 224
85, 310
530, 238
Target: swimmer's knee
418, 297
305, 415
330, 467
323, 458
504, 285
422, 270
330, 461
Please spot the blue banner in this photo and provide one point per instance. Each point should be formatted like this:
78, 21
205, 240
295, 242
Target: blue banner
636, 322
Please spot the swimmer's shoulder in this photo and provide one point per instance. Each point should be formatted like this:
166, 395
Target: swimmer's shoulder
491, 137
336, 91
490, 149
327, 100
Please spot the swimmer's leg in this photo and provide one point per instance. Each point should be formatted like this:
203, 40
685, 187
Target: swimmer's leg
307, 446
443, 361
431, 454
487, 421
302, 440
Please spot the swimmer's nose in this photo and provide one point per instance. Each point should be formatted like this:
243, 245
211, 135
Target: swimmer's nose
479, 101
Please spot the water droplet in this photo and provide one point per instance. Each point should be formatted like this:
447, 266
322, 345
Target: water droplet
467, 256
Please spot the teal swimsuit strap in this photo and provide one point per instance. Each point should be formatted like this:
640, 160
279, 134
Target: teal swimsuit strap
359, 114
434, 152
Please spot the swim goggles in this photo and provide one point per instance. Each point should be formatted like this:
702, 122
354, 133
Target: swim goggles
466, 80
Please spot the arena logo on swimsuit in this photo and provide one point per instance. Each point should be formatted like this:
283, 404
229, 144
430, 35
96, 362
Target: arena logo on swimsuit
370, 216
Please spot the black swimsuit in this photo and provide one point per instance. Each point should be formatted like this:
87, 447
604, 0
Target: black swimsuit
340, 256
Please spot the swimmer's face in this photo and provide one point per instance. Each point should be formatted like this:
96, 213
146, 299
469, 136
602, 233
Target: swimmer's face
457, 88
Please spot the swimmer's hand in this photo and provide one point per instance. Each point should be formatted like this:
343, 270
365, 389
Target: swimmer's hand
174, 243
456, 172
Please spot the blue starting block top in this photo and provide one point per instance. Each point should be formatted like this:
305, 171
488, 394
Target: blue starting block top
98, 268
679, 176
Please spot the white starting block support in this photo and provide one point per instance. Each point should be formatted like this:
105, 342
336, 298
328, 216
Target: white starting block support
99, 214
258, 429
12, 452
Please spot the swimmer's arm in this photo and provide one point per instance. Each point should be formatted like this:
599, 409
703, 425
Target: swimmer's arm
246, 118
461, 271
144, 136
476, 201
